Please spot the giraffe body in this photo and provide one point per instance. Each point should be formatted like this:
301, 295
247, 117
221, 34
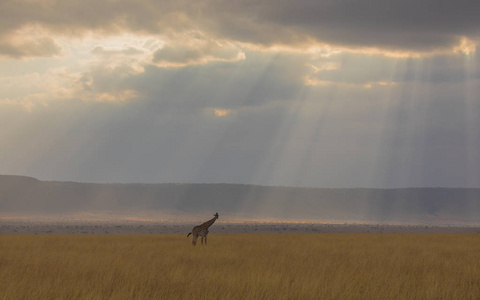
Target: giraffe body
202, 230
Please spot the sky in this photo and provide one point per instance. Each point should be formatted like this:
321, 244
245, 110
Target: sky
331, 94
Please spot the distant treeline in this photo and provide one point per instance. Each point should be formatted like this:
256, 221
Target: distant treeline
20, 194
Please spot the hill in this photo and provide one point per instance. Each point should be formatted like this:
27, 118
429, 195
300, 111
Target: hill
25, 195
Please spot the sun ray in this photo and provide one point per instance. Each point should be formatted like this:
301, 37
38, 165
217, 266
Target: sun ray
472, 120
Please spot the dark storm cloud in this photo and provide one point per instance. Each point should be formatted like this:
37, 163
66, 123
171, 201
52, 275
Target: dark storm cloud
398, 24
395, 25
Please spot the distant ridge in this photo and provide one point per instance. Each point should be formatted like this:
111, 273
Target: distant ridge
27, 195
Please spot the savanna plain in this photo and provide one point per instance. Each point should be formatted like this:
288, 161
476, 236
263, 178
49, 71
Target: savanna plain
240, 266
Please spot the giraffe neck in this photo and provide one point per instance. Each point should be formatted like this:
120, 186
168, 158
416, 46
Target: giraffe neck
209, 222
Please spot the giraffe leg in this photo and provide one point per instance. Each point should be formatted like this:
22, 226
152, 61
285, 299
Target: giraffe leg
194, 241
205, 240
202, 239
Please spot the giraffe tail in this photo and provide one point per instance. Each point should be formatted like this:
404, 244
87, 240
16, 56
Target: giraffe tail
189, 234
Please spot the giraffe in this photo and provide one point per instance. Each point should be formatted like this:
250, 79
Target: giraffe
202, 230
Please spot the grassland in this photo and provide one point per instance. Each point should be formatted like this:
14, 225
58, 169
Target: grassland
241, 266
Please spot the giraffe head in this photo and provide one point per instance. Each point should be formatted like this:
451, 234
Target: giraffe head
216, 215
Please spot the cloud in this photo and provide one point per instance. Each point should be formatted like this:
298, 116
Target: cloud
194, 48
28, 41
220, 112
362, 70
416, 136
43, 47
322, 93
258, 80
400, 25
395, 26
34, 91
126, 51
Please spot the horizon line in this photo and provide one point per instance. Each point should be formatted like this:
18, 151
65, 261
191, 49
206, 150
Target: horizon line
239, 184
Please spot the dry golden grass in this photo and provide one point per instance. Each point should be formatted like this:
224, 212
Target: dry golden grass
241, 266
